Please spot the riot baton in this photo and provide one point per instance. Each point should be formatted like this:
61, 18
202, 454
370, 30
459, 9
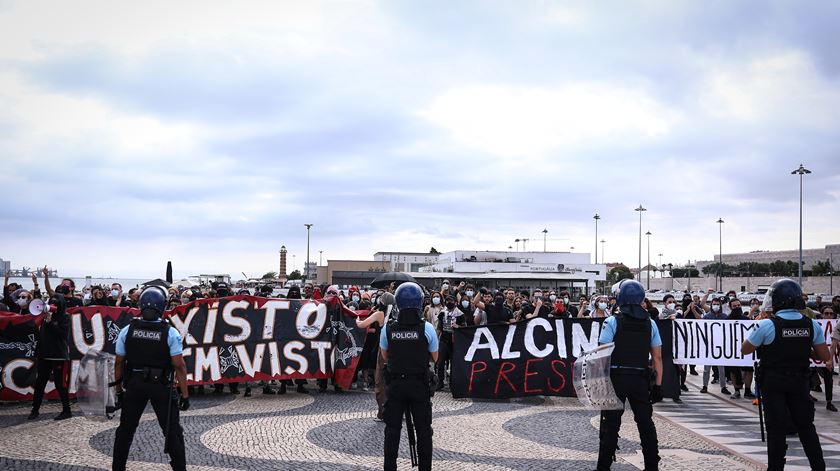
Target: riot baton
412, 440
760, 400
168, 414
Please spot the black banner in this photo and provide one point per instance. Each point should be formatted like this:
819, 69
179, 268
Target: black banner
529, 358
238, 338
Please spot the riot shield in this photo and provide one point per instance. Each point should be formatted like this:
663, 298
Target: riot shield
94, 394
592, 379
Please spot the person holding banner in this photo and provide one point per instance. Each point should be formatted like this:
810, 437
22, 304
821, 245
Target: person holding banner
407, 346
636, 337
786, 343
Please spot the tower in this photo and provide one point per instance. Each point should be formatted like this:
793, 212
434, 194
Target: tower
281, 275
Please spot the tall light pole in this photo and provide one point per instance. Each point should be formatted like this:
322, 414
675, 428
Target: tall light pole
320, 257
640, 209
545, 234
306, 268
517, 244
602, 250
660, 262
720, 252
648, 260
524, 248
596, 217
801, 171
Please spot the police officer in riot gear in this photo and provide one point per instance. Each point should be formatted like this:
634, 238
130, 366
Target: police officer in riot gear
786, 343
636, 338
149, 351
407, 346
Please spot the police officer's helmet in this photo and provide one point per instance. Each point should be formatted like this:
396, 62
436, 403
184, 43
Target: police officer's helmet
629, 292
784, 294
409, 295
153, 298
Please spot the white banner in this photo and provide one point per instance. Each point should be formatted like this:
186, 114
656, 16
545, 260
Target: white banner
718, 342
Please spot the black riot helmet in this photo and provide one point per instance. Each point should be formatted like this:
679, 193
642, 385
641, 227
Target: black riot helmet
784, 294
152, 303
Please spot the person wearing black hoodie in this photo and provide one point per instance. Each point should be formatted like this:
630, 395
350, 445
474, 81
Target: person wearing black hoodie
52, 356
735, 373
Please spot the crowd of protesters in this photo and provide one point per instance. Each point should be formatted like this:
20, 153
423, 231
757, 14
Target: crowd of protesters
451, 306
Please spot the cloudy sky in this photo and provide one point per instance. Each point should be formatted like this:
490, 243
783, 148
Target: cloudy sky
208, 133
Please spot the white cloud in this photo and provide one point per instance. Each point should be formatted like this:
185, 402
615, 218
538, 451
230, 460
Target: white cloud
519, 121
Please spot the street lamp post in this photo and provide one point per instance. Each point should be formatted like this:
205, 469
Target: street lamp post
602, 250
640, 209
517, 244
801, 171
720, 252
648, 259
545, 234
320, 258
306, 268
596, 217
660, 262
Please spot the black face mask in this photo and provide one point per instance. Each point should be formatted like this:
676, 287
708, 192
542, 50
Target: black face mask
450, 305
500, 301
61, 289
736, 311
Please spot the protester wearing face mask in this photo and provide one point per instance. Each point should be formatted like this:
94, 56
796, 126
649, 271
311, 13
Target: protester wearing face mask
602, 306
565, 297
466, 306
116, 297
21, 298
444, 288
52, 355
448, 319
715, 314
430, 312
67, 288
669, 308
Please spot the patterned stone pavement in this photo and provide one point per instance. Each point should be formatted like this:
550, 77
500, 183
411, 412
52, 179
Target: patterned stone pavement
337, 432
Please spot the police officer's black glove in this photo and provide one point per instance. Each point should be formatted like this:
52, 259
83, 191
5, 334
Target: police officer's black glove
184, 403
656, 394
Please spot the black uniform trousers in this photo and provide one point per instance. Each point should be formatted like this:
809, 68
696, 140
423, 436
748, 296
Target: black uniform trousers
408, 394
137, 394
632, 387
785, 397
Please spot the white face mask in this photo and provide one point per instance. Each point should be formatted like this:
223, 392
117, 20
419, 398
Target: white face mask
356, 298
87, 296
444, 286
115, 293
565, 300
670, 306
470, 293
715, 307
436, 300
552, 297
465, 303
21, 302
602, 306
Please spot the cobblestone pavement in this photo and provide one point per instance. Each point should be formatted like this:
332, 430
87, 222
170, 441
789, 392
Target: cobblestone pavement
337, 432
734, 424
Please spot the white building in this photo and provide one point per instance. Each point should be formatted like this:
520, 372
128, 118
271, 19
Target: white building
520, 270
406, 261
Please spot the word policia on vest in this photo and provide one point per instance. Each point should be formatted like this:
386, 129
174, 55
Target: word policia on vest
239, 338
707, 342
